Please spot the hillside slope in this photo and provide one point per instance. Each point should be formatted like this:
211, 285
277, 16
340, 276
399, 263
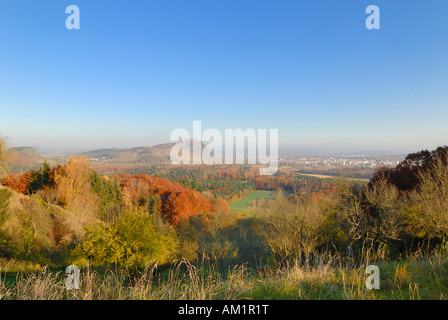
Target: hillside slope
154, 155
24, 159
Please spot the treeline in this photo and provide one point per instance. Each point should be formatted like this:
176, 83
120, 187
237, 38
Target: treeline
225, 181
232, 182
363, 172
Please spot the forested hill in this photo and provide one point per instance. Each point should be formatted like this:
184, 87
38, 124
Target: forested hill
140, 154
23, 159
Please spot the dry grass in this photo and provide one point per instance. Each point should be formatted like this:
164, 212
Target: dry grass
415, 278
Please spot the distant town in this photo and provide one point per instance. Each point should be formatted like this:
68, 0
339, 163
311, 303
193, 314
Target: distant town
356, 161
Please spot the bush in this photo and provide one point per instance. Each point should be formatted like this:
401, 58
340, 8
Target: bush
290, 226
5, 249
384, 215
433, 198
367, 217
138, 239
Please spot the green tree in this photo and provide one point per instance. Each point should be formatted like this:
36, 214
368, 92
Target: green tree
111, 199
40, 179
153, 204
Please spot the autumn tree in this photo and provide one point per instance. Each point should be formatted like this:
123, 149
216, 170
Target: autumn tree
73, 180
405, 176
18, 182
75, 195
174, 200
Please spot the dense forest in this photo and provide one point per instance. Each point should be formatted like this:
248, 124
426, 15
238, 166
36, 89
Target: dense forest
232, 182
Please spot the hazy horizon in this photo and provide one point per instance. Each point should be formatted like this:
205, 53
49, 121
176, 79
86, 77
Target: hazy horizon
135, 71
288, 150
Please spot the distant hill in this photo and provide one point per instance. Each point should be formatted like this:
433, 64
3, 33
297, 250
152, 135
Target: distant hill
111, 160
24, 159
157, 154
141, 155
58, 151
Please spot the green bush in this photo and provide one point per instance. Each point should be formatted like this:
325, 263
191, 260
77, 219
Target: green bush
138, 239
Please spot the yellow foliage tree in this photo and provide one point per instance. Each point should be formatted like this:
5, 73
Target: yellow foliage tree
74, 193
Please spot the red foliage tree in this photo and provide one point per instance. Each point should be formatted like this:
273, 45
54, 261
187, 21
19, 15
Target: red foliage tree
176, 201
18, 182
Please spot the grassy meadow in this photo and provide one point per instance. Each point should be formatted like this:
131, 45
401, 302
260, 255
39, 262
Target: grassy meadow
244, 205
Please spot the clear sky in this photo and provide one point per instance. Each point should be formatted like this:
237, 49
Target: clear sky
136, 70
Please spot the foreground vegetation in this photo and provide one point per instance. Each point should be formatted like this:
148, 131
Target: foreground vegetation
146, 237
414, 278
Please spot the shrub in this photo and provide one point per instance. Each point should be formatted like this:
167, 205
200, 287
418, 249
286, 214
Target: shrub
136, 240
289, 226
384, 216
5, 249
433, 198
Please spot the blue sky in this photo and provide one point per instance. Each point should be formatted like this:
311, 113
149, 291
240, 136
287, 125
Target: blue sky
136, 70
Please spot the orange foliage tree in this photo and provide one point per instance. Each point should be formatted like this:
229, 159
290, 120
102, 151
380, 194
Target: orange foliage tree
175, 200
18, 182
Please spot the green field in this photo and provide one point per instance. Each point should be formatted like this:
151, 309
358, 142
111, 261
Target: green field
242, 206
